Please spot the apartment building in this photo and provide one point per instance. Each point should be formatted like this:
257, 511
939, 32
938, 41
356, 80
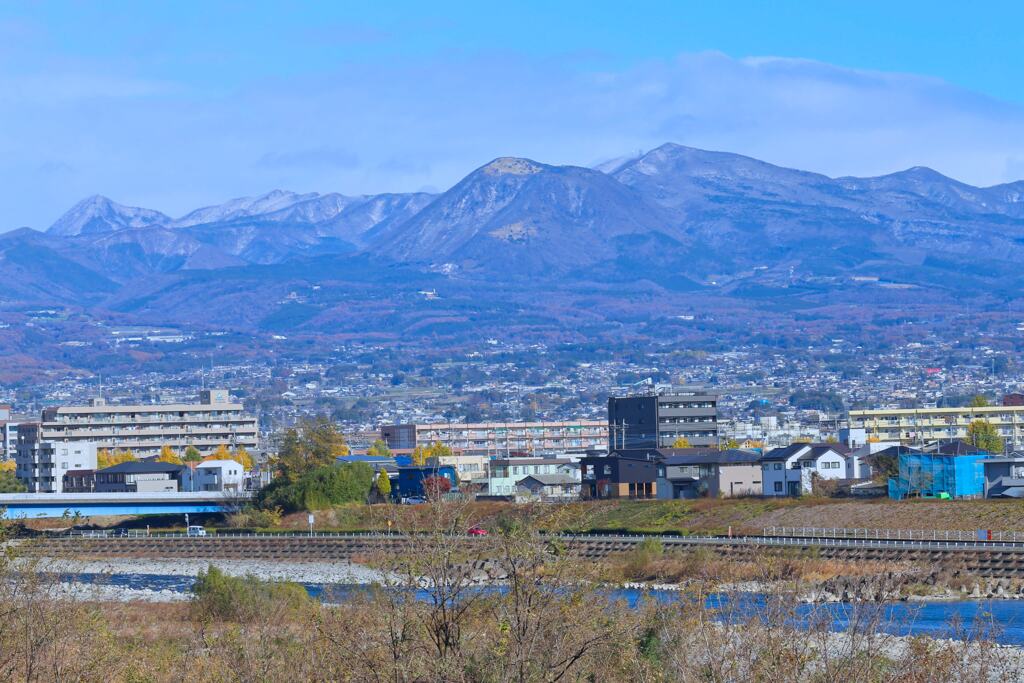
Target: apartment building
501, 439
145, 429
918, 426
41, 464
657, 420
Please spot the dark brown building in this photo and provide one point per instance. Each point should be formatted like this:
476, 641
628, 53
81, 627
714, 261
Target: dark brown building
619, 475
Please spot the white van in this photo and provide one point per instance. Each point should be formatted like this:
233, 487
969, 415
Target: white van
196, 531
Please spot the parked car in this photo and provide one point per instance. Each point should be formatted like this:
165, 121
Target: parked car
477, 531
413, 500
196, 531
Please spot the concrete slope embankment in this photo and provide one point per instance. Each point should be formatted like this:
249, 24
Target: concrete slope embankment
992, 559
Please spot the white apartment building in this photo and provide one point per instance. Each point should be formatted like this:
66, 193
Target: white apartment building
919, 426
41, 464
145, 429
497, 439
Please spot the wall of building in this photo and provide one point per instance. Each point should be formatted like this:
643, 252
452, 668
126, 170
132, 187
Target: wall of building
737, 480
145, 429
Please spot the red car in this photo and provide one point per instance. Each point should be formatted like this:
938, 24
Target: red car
477, 531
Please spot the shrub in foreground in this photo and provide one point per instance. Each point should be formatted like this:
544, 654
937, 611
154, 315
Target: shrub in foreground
220, 596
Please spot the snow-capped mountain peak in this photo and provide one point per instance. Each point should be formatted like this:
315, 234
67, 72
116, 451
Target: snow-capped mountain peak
98, 214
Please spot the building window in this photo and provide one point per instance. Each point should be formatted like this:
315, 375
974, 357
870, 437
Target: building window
778, 465
778, 487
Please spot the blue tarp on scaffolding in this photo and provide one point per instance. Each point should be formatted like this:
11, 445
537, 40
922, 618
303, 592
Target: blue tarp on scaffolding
930, 475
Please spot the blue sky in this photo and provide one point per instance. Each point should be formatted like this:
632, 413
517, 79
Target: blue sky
173, 105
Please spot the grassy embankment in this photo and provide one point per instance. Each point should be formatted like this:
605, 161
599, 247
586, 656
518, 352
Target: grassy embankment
744, 515
706, 516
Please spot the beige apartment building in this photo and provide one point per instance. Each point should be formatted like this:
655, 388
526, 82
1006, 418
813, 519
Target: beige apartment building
500, 439
916, 426
145, 429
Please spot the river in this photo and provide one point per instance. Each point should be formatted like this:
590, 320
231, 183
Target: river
1002, 620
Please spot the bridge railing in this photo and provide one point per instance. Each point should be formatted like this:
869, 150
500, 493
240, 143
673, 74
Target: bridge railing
895, 534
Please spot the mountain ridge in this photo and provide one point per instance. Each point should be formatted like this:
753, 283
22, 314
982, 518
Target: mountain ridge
677, 217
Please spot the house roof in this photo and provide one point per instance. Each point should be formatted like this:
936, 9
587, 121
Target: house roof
217, 463
785, 452
957, 447
532, 461
674, 452
818, 450
79, 473
732, 456
894, 451
549, 479
143, 468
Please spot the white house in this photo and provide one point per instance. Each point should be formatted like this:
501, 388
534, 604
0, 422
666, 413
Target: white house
506, 473
791, 470
218, 475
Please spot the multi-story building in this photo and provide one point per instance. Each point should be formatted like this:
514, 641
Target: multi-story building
145, 429
918, 426
8, 439
41, 464
657, 420
495, 439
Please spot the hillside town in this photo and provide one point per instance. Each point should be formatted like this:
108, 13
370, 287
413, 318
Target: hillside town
658, 441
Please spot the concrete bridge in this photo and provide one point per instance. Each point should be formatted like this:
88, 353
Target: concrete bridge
43, 505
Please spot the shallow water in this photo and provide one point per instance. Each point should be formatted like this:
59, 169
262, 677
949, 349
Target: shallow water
1003, 620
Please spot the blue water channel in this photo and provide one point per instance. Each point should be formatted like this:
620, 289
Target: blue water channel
1001, 620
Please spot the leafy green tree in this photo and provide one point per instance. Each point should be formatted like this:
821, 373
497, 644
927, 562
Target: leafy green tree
11, 484
982, 434
379, 448
312, 443
320, 487
979, 401
728, 444
192, 454
384, 484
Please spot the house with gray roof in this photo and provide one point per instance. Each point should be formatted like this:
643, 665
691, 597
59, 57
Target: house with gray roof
714, 473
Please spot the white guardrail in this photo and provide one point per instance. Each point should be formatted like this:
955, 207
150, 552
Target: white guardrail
807, 537
896, 534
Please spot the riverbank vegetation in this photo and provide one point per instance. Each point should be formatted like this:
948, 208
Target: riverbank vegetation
552, 620
705, 516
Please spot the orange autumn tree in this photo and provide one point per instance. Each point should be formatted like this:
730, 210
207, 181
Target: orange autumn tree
104, 458
168, 455
241, 456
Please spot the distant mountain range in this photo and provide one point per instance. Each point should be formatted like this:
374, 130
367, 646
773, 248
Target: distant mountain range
675, 222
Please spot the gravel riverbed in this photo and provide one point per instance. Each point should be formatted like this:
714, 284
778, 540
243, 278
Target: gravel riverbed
300, 572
